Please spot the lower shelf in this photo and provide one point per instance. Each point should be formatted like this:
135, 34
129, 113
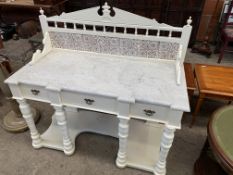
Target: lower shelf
143, 141
79, 122
144, 144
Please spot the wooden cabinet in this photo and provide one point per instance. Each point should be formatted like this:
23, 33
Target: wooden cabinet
23, 10
176, 12
209, 23
173, 12
46, 2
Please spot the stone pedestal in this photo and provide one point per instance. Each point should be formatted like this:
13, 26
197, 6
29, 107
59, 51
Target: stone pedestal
13, 120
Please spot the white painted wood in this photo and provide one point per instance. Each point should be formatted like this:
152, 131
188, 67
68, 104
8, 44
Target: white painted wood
143, 147
147, 111
121, 17
40, 54
80, 121
186, 33
62, 122
143, 140
174, 118
166, 143
123, 132
28, 116
123, 139
54, 95
34, 92
43, 22
121, 34
91, 102
137, 94
16, 91
178, 72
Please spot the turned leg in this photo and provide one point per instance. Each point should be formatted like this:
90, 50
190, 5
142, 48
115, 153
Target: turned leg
62, 122
166, 143
28, 116
123, 136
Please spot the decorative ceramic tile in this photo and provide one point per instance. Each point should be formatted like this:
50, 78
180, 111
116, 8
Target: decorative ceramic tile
55, 39
104, 45
152, 49
141, 47
114, 46
127, 47
168, 50
78, 41
90, 43
68, 43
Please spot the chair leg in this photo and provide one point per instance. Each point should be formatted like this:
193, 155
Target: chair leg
222, 51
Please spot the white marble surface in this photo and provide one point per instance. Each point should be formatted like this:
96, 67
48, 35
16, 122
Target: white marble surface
128, 79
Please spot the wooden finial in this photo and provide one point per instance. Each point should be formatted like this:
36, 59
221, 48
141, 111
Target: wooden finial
189, 21
106, 9
41, 11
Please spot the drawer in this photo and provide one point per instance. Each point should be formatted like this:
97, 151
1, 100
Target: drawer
149, 112
92, 102
34, 92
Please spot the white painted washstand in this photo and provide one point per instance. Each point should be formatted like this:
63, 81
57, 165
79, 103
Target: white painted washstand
120, 76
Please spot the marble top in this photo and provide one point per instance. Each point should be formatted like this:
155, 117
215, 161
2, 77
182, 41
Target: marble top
126, 79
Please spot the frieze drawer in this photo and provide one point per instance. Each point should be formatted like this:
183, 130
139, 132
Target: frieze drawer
34, 92
148, 111
92, 102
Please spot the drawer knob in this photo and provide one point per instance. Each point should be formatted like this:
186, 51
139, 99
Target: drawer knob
35, 92
149, 112
89, 101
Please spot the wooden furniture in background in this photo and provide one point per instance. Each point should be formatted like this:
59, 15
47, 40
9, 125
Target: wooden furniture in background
172, 12
210, 20
226, 34
125, 76
189, 74
217, 154
202, 48
22, 10
220, 137
175, 12
46, 2
4, 62
31, 4
213, 82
